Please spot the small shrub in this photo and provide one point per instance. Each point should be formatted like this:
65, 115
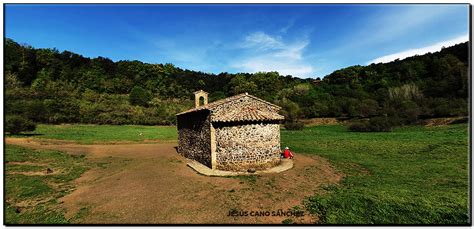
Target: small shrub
140, 96
15, 124
409, 112
381, 124
294, 125
376, 124
359, 126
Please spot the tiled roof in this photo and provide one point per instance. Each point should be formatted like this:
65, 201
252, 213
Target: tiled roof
213, 104
239, 114
247, 114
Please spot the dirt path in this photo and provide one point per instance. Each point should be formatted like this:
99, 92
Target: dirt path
150, 183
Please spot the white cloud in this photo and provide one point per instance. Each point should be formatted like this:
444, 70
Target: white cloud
386, 27
419, 51
268, 53
292, 52
268, 63
262, 41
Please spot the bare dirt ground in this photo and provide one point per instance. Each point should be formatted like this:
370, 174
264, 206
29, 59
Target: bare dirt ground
444, 121
321, 121
151, 184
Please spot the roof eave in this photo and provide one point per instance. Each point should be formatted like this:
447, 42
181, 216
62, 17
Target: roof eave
192, 111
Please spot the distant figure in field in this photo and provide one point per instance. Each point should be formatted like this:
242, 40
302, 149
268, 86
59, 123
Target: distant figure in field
287, 153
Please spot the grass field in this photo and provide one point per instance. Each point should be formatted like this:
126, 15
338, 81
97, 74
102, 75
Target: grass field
89, 134
32, 195
413, 175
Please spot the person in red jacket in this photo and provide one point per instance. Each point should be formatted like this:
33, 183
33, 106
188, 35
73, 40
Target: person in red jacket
287, 153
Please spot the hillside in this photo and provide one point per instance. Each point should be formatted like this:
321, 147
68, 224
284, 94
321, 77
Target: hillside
48, 86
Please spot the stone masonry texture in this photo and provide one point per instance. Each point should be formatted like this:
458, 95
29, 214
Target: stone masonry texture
194, 137
245, 133
248, 146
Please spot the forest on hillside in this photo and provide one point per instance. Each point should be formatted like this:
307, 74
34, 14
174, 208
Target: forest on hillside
48, 86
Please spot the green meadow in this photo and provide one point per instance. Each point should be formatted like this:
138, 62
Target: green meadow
32, 194
90, 134
413, 175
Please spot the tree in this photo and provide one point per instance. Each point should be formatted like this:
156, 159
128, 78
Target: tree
11, 81
45, 85
368, 107
292, 113
15, 124
139, 96
241, 83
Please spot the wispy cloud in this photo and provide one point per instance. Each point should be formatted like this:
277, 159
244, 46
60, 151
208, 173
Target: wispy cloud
290, 24
262, 41
391, 25
419, 51
271, 53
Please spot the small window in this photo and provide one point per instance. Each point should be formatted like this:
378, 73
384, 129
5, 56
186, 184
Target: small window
201, 100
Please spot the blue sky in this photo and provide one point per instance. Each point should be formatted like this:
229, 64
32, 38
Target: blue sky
301, 40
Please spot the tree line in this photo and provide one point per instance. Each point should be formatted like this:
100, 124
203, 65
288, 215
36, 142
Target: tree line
49, 86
